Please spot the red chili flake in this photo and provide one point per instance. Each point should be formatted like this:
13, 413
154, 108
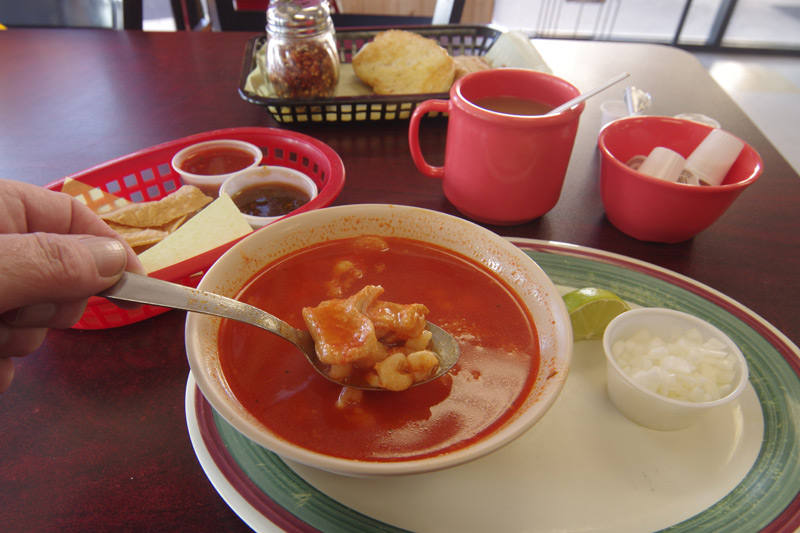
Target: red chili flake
305, 70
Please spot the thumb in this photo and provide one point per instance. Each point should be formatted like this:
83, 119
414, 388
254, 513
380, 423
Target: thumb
46, 267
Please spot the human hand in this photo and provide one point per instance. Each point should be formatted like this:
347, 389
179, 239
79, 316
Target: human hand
56, 253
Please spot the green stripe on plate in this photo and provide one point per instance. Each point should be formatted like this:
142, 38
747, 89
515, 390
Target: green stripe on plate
769, 487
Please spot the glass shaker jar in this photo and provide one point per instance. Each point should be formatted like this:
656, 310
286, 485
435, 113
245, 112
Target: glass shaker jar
301, 59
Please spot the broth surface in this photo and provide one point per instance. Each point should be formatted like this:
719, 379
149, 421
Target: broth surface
273, 380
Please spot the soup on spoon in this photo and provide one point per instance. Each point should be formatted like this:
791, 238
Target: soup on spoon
411, 350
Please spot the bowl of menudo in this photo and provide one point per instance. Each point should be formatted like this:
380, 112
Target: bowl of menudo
509, 320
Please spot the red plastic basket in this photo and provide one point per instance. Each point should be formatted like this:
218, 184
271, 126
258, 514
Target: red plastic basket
147, 175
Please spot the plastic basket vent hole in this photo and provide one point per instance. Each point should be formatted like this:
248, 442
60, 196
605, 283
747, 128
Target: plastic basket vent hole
130, 181
113, 187
148, 175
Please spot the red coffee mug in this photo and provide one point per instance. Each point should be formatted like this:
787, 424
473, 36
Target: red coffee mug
502, 168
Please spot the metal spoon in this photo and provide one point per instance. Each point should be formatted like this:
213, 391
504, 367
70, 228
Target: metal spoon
152, 291
585, 96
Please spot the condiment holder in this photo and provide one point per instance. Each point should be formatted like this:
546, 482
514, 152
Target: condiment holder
301, 59
269, 186
652, 209
663, 163
646, 406
634, 102
206, 165
710, 162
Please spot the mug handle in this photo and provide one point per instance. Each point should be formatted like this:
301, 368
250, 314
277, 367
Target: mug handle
413, 136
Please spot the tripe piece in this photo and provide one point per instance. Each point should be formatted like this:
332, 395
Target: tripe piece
341, 330
397, 322
384, 343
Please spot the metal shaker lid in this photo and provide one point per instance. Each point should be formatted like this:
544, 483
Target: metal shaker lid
298, 17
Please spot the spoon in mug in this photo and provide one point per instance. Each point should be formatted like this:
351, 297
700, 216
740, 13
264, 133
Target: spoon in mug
152, 291
585, 96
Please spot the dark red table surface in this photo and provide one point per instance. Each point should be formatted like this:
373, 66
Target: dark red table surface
92, 431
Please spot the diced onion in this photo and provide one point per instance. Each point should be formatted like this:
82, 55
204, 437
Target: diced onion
685, 367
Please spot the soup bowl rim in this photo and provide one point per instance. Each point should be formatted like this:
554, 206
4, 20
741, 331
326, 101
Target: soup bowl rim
555, 336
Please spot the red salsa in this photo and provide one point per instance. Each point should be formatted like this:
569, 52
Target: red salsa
496, 370
216, 161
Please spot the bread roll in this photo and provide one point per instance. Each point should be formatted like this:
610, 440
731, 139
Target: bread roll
467, 64
403, 62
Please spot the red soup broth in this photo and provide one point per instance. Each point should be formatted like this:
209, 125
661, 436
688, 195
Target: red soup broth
496, 370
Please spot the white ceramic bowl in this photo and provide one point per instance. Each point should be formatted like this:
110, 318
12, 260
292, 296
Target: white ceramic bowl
265, 175
210, 184
283, 237
649, 408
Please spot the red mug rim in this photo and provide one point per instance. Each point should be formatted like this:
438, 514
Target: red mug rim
458, 97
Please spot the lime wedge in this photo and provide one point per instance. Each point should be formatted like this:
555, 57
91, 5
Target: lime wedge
590, 311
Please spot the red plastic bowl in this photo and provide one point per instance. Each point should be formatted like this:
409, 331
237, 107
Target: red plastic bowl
650, 209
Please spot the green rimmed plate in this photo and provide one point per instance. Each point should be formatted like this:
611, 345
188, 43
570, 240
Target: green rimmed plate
584, 466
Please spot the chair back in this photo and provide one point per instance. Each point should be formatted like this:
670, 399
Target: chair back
108, 14
250, 15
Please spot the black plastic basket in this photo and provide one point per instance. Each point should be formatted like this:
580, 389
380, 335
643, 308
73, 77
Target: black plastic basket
456, 39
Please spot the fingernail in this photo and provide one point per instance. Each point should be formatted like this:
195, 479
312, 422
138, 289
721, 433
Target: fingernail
109, 255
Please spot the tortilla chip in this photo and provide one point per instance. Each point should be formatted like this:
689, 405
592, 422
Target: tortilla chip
171, 227
139, 237
95, 198
219, 223
185, 201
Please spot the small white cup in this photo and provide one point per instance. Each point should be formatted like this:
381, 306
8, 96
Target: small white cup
210, 184
265, 175
663, 163
714, 157
611, 110
648, 408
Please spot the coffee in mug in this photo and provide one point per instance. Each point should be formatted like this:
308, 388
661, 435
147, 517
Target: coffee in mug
511, 105
505, 158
